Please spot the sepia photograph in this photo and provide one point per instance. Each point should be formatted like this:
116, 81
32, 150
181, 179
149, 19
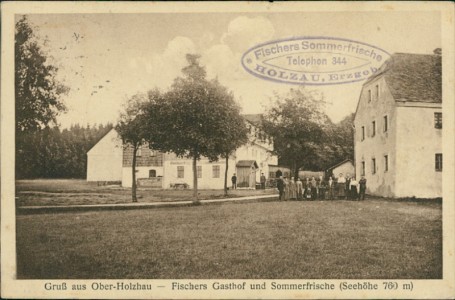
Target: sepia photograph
227, 150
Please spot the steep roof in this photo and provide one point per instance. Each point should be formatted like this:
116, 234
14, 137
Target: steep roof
339, 164
109, 131
247, 163
413, 77
255, 119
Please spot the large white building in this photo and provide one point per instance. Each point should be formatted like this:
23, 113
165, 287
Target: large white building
166, 170
398, 128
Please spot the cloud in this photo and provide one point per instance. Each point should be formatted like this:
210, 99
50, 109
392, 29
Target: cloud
244, 32
220, 61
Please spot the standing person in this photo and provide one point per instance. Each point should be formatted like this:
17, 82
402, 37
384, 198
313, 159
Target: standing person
330, 185
348, 186
263, 180
362, 188
299, 187
353, 184
280, 187
234, 181
322, 188
307, 191
286, 188
314, 188
341, 186
292, 189
278, 174
305, 185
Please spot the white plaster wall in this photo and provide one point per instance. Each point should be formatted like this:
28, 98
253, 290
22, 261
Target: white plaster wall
207, 181
141, 172
417, 143
346, 168
252, 151
381, 183
104, 160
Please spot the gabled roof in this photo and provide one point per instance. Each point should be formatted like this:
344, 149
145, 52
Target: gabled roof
247, 163
255, 119
339, 164
113, 128
412, 77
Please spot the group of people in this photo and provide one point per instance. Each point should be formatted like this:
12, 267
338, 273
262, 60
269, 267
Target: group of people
313, 189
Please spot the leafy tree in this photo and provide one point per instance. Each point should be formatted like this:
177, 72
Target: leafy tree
297, 124
38, 95
194, 118
37, 91
131, 128
234, 131
340, 140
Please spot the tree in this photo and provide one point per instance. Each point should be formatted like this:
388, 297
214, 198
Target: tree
51, 153
38, 95
297, 123
340, 140
234, 130
131, 128
37, 91
193, 118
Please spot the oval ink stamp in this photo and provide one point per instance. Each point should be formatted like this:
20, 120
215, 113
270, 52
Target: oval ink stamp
314, 60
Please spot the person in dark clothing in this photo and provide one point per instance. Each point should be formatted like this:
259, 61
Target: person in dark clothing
314, 189
322, 188
280, 187
263, 180
278, 173
234, 181
362, 188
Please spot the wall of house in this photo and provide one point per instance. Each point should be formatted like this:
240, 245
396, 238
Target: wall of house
104, 160
141, 172
259, 153
380, 182
346, 168
207, 179
146, 160
418, 142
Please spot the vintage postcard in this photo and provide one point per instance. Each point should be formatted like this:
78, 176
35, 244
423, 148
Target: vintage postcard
227, 150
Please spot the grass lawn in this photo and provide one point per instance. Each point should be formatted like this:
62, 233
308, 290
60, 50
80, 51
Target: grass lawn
373, 239
72, 191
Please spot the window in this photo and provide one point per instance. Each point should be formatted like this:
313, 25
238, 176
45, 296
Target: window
373, 165
369, 96
139, 151
386, 163
377, 91
271, 174
362, 172
363, 133
386, 126
438, 162
216, 171
438, 120
152, 173
199, 171
373, 128
180, 171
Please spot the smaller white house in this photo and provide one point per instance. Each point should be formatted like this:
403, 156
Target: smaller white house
105, 159
345, 167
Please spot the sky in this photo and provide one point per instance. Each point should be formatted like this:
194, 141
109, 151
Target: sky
106, 58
